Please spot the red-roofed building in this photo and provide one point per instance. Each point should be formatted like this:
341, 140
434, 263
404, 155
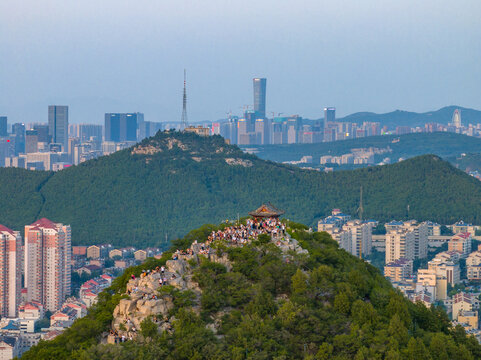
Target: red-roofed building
10, 271
31, 310
107, 278
76, 305
47, 262
65, 317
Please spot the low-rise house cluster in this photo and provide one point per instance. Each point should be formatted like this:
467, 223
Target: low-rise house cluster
90, 289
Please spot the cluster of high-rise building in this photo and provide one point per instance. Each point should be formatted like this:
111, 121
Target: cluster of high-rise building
434, 283
57, 144
44, 260
406, 240
352, 235
406, 243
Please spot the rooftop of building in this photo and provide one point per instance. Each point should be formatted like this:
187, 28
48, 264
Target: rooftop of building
468, 313
462, 297
395, 223
12, 325
462, 235
3, 228
266, 210
462, 223
399, 263
9, 340
44, 223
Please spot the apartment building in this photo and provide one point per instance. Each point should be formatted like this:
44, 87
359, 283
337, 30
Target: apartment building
461, 243
47, 263
10, 271
399, 244
399, 270
448, 269
420, 232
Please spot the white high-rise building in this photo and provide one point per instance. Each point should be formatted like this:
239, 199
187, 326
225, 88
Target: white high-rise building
399, 245
47, 263
420, 230
361, 237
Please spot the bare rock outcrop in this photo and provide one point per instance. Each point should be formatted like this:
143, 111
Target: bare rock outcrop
237, 161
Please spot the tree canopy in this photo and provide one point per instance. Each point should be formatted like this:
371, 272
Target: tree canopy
324, 305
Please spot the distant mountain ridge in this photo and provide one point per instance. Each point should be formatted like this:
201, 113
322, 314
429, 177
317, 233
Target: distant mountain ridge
412, 119
173, 182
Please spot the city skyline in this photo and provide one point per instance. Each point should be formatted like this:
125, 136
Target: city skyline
359, 57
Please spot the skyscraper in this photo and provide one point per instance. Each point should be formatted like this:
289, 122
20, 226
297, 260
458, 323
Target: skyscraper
457, 118
3, 126
260, 97
329, 117
10, 271
122, 126
87, 131
42, 132
47, 263
58, 125
31, 141
18, 130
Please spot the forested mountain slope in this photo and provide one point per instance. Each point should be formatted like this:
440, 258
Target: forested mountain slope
173, 182
268, 304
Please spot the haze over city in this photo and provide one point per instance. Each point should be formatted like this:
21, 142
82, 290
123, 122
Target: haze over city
129, 56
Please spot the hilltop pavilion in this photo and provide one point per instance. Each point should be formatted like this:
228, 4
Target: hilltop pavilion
266, 211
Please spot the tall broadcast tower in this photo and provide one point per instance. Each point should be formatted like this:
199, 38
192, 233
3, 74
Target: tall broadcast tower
183, 124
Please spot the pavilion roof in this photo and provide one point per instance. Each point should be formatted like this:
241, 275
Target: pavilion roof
266, 210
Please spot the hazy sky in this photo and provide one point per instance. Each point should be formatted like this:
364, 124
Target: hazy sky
102, 56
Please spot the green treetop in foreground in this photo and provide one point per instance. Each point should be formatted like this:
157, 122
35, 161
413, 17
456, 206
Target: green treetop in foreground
323, 305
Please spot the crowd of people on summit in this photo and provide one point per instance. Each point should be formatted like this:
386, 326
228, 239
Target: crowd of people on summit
242, 234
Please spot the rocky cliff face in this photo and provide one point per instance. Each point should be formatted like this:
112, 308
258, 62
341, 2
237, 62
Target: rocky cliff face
144, 300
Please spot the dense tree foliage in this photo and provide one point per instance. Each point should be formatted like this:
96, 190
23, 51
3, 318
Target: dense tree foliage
20, 198
140, 199
325, 305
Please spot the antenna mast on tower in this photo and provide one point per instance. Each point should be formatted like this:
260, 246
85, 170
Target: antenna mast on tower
361, 208
183, 124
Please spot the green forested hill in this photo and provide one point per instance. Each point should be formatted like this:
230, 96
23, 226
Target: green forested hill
443, 144
182, 181
325, 305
